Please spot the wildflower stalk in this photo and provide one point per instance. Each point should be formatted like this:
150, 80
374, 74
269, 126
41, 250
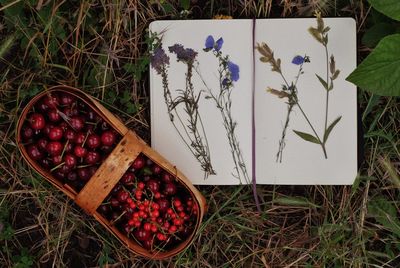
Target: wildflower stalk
193, 134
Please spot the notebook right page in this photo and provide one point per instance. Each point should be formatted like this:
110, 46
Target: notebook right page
305, 110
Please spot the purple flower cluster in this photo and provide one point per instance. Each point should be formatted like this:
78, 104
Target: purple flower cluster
186, 55
298, 60
159, 59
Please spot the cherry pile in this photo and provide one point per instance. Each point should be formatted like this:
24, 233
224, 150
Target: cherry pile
151, 207
66, 137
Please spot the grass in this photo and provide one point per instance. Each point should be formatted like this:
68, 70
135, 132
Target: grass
100, 46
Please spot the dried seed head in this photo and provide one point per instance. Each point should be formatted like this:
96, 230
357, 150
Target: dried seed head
332, 64
279, 93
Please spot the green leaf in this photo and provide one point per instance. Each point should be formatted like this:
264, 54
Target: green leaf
185, 4
379, 73
322, 81
331, 126
390, 8
295, 201
374, 34
307, 137
385, 213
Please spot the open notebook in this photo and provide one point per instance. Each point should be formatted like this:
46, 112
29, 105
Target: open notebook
313, 145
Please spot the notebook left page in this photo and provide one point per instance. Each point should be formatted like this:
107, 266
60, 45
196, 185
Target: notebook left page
200, 93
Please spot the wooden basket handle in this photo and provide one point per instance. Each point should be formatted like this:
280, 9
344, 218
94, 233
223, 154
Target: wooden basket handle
109, 173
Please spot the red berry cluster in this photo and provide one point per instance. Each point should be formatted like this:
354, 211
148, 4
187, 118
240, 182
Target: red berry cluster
66, 137
151, 207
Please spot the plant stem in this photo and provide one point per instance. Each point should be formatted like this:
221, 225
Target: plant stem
327, 97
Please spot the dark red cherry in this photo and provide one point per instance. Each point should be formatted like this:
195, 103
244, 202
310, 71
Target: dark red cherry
79, 151
42, 106
47, 129
108, 138
77, 123
37, 121
92, 170
65, 169
59, 175
52, 101
70, 135
57, 159
153, 185
156, 169
70, 160
166, 177
80, 138
70, 112
63, 125
138, 163
142, 234
27, 133
122, 196
56, 133
83, 174
67, 99
54, 148
72, 176
42, 144
34, 152
128, 179
104, 126
69, 147
164, 204
104, 209
45, 162
114, 202
93, 141
106, 149
169, 189
53, 115
92, 157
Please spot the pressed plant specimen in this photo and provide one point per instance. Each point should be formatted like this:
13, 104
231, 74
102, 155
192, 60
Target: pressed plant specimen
188, 123
289, 91
228, 73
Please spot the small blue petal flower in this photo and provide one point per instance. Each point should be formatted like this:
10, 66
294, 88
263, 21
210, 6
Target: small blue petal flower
225, 82
218, 44
234, 71
209, 42
298, 60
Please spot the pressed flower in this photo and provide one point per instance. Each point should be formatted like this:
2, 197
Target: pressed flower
159, 59
209, 42
234, 71
218, 44
187, 55
298, 60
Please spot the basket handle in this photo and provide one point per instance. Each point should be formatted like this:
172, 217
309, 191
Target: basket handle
109, 173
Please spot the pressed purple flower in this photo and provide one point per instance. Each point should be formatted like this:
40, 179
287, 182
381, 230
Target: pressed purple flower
234, 71
218, 44
209, 42
187, 55
298, 60
225, 82
159, 59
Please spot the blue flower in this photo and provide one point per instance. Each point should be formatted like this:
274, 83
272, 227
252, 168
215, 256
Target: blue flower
298, 60
234, 71
218, 44
211, 44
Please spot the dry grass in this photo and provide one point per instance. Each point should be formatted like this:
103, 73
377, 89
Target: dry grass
100, 47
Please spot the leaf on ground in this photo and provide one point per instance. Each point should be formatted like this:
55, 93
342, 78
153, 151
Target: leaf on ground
390, 8
331, 126
379, 73
385, 213
295, 201
307, 137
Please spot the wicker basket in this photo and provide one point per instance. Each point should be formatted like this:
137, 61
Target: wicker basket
111, 171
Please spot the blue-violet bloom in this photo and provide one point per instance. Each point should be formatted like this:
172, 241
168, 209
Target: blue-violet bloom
234, 71
211, 44
159, 59
298, 60
187, 55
